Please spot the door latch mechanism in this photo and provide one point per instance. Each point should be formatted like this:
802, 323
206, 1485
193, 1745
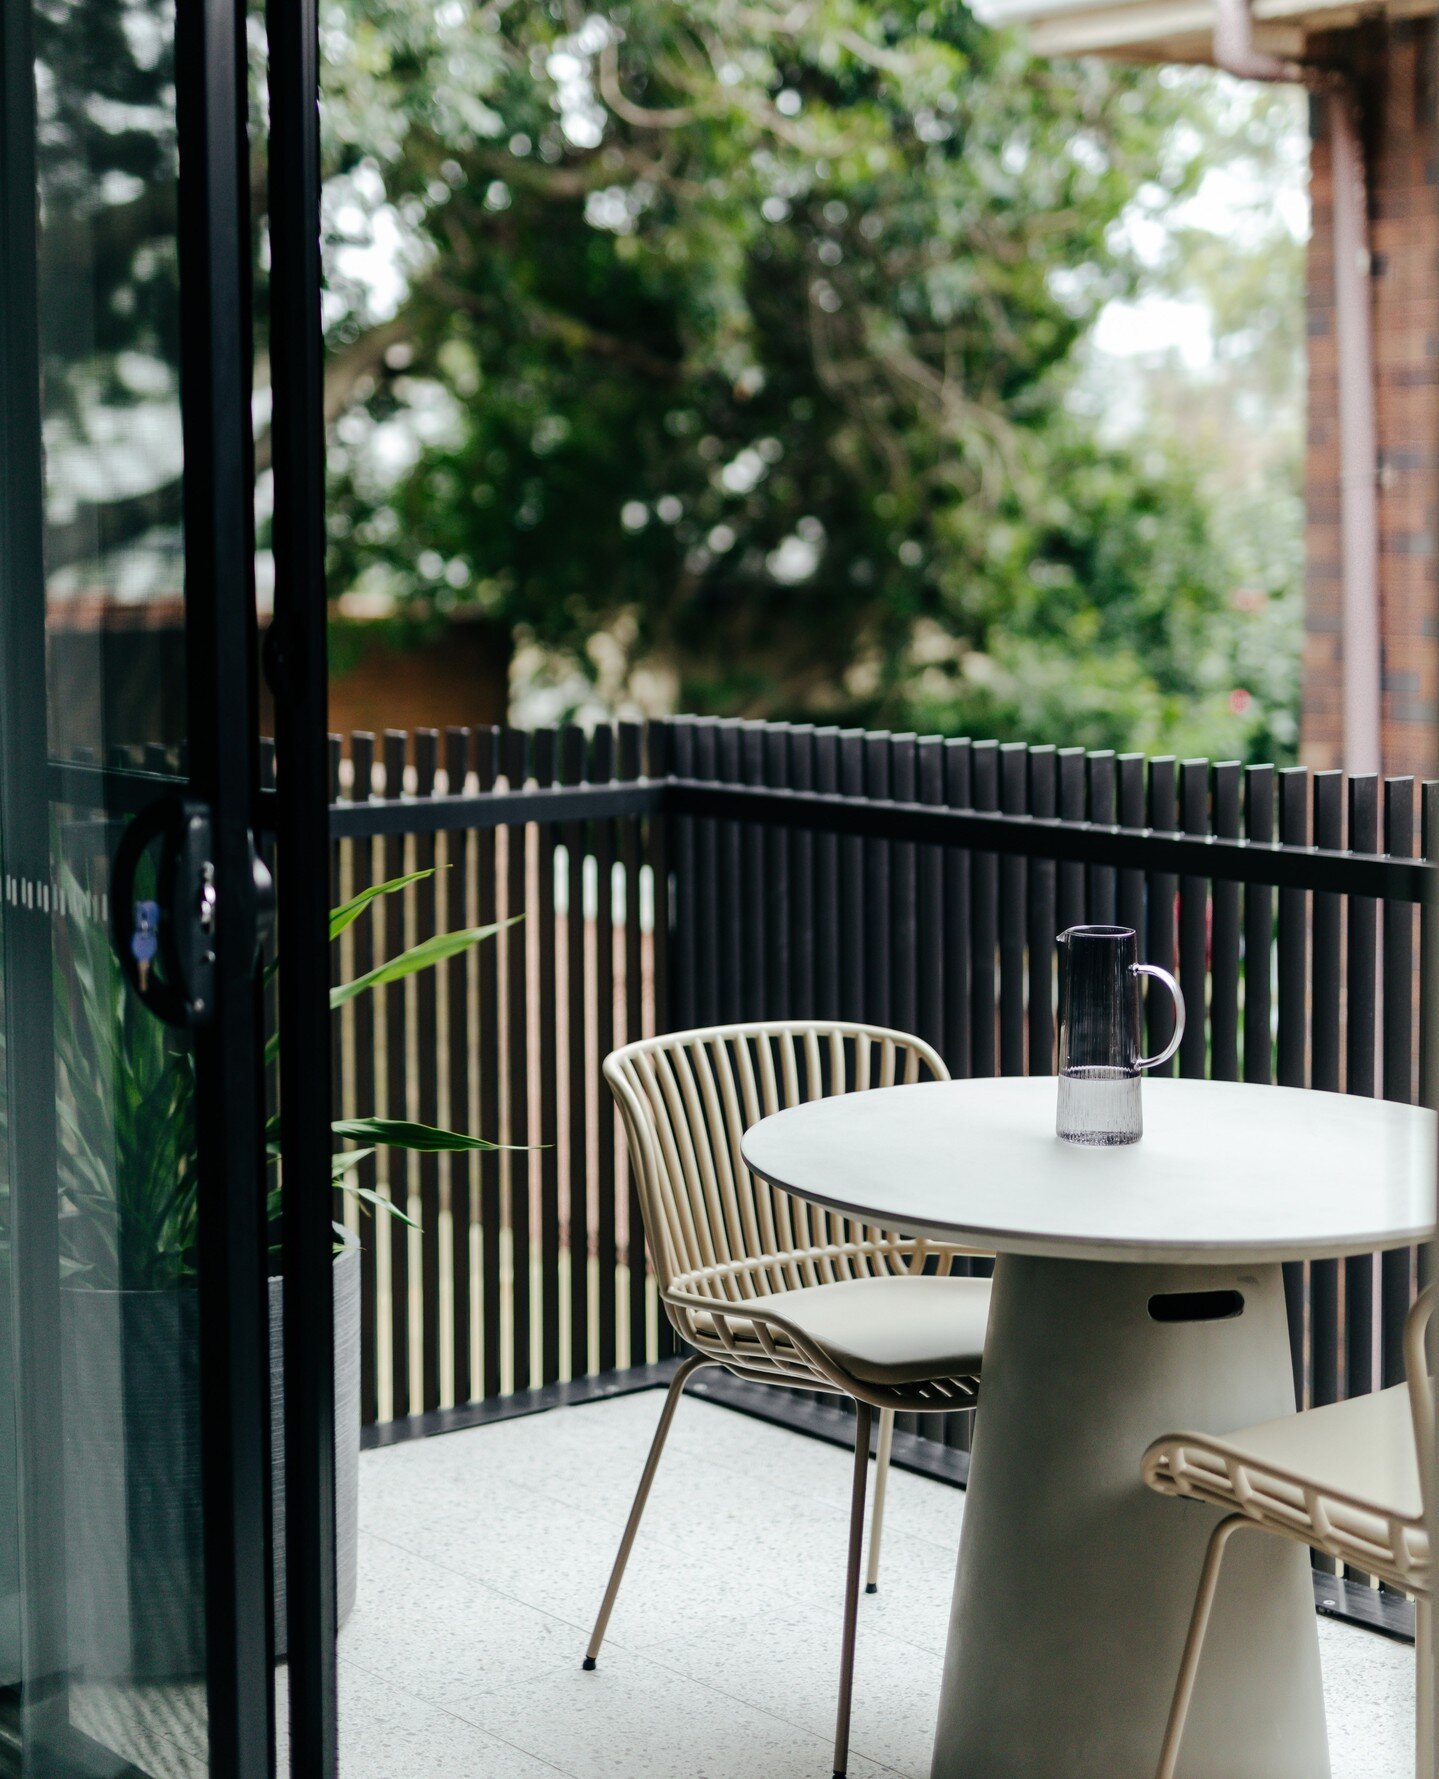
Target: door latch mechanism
166, 940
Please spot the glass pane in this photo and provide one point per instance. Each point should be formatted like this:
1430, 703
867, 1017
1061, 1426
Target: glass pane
102, 1606
106, 162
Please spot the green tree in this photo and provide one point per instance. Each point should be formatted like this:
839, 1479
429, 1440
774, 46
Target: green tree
744, 341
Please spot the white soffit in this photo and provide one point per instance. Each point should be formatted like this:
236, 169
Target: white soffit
1174, 30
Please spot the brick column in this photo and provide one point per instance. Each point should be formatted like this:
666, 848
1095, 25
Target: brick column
1396, 65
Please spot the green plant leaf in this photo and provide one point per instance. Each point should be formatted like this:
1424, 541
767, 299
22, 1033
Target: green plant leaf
379, 1201
342, 1163
423, 956
349, 912
401, 1133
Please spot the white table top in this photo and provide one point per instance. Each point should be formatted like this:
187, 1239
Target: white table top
1223, 1172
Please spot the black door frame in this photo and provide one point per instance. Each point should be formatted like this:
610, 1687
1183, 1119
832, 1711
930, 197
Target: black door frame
216, 356
297, 672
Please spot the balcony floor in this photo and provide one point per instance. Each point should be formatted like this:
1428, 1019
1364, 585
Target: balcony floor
484, 1554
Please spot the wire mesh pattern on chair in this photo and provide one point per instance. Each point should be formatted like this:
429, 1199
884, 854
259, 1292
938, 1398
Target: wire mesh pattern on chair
1390, 1546
727, 1244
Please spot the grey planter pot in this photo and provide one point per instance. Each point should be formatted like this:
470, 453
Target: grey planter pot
347, 1432
130, 1368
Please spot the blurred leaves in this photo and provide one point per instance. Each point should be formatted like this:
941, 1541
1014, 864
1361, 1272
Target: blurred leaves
739, 350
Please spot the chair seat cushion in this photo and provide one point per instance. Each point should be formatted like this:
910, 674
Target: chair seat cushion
894, 1330
1363, 1448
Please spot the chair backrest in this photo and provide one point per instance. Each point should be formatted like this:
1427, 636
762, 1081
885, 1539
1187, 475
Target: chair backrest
687, 1098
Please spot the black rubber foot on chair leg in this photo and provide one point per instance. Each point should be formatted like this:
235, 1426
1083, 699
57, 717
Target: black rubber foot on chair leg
588, 1664
871, 1587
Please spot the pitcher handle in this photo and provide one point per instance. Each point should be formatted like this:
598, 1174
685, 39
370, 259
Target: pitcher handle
1152, 1062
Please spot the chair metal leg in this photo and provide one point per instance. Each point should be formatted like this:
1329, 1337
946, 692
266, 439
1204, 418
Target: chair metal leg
642, 1495
1424, 1689
1194, 1642
864, 1421
876, 1515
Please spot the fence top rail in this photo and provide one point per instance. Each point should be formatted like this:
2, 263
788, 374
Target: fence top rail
1267, 863
1270, 864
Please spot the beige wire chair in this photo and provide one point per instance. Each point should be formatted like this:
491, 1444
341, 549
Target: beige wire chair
1350, 1479
777, 1290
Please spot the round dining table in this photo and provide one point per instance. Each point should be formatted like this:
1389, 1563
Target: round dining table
1138, 1290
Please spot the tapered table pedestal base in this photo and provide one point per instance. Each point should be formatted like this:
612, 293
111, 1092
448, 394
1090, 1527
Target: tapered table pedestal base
1075, 1582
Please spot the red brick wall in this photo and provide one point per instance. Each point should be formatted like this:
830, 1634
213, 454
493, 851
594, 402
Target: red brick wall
1397, 65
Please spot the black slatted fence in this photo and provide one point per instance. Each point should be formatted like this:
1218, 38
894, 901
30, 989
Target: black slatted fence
699, 871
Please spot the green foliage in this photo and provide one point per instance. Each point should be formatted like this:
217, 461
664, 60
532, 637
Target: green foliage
744, 340
126, 1109
129, 1164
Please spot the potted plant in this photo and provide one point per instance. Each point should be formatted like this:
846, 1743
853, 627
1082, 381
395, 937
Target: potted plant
129, 1197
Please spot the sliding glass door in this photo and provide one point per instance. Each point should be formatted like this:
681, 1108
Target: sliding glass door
135, 1627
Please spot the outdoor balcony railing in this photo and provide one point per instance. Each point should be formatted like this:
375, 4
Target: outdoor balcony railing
695, 871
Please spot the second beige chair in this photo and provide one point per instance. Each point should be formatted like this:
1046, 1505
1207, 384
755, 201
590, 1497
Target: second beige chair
1349, 1479
777, 1290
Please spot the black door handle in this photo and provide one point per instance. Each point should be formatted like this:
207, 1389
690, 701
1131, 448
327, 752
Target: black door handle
165, 943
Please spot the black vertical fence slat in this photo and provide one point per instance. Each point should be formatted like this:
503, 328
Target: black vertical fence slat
1224, 953
678, 1013
1397, 955
1194, 925
828, 928
487, 1012
362, 1017
1102, 792
577, 1069
1291, 952
1041, 915
1361, 1039
731, 929
659, 856
754, 852
602, 843
461, 1110
1161, 888
1013, 800
1324, 1048
878, 889
709, 965
1073, 807
1129, 810
1428, 950
427, 1080
778, 997
396, 1096
931, 959
515, 760
631, 763
545, 769
1258, 931
803, 889
984, 918
852, 912
905, 931
958, 908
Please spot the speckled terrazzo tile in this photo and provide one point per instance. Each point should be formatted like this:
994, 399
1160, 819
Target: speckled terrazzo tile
748, 1519
633, 1719
787, 1662
440, 1635
1369, 1703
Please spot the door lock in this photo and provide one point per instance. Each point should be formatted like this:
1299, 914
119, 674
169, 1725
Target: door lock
166, 941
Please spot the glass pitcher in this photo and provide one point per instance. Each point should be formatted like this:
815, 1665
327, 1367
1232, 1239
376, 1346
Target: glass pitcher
1099, 1048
